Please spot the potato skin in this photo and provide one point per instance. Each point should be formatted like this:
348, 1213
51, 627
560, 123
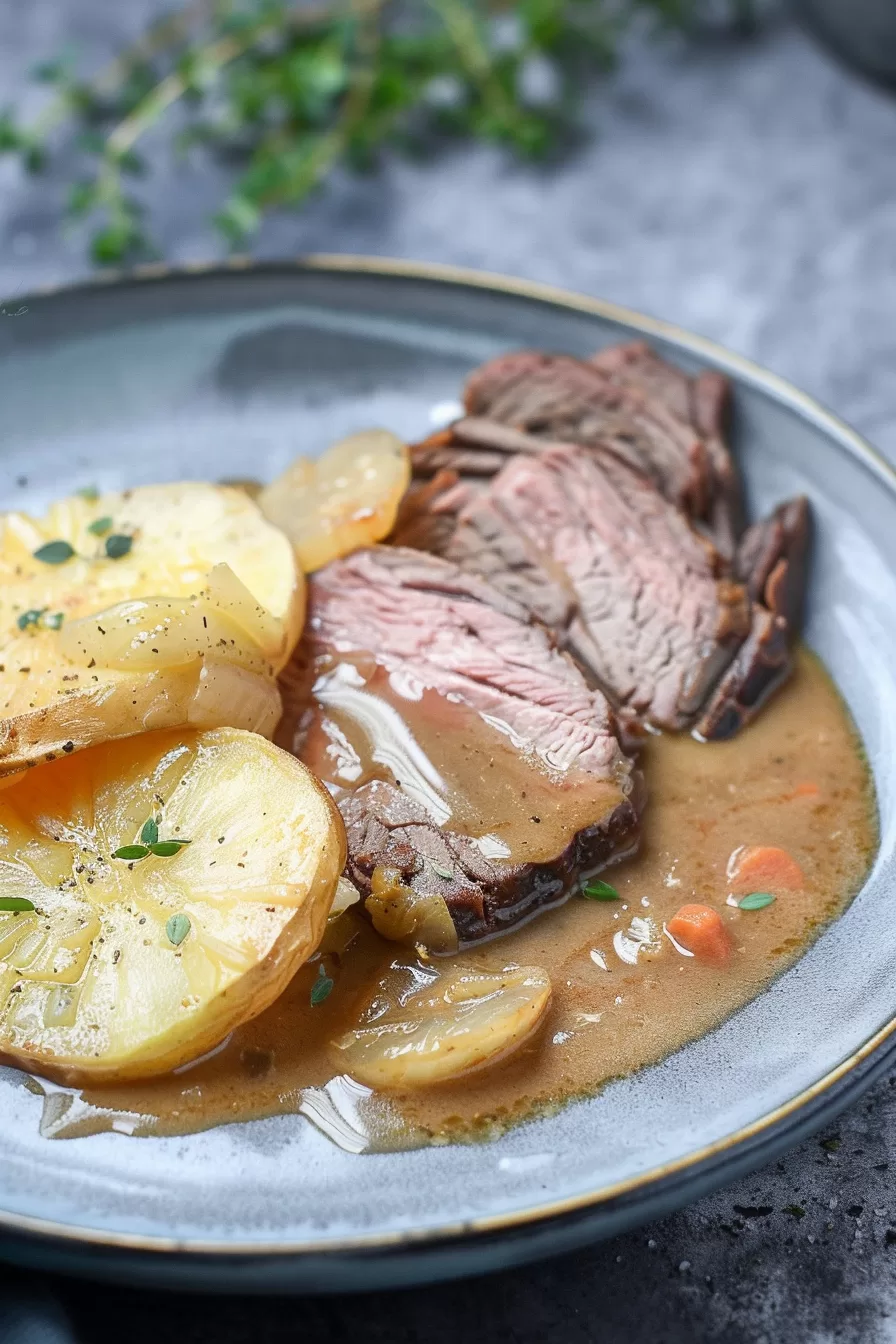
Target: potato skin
310, 839
204, 694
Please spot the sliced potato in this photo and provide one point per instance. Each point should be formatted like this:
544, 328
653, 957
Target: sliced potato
187, 626
129, 968
346, 499
430, 1026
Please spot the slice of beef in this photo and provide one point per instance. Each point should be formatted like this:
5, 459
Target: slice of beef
439, 716
657, 618
428, 512
703, 403
628, 403
771, 561
574, 401
445, 517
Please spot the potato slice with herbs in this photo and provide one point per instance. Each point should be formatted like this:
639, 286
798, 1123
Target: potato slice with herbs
177, 882
346, 499
428, 1025
157, 607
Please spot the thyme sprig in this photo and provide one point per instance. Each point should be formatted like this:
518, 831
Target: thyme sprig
288, 91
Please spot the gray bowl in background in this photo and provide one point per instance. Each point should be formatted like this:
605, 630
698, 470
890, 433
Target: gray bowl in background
862, 32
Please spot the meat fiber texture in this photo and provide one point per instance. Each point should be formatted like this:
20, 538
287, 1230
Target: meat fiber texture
425, 620
615, 517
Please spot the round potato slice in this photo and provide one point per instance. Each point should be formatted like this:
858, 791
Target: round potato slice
346, 499
154, 608
129, 966
431, 1026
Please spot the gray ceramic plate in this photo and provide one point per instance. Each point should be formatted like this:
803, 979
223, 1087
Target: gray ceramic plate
230, 373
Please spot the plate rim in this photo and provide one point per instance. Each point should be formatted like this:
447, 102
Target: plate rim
705, 1160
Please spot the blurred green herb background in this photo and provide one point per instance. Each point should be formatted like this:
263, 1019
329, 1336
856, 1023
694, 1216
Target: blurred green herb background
286, 92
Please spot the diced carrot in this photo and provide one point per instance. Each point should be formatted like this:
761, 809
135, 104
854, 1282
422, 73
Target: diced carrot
806, 790
763, 868
700, 930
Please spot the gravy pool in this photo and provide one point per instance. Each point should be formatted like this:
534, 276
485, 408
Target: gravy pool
797, 778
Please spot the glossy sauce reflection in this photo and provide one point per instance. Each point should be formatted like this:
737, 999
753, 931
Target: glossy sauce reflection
371, 724
610, 1015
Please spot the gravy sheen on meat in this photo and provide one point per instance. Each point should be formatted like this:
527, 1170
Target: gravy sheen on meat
796, 778
570, 614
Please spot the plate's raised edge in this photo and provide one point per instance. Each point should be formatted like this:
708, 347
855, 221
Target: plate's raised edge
780, 390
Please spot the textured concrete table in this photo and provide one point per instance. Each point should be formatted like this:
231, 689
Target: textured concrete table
747, 191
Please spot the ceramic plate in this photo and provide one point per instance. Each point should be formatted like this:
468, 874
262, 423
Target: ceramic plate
230, 372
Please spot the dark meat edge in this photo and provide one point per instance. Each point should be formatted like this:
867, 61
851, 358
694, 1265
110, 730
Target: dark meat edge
779, 543
563, 398
704, 402
772, 561
483, 901
486, 900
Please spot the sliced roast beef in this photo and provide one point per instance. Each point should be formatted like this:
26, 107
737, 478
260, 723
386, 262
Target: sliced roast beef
656, 620
626, 399
703, 403
626, 404
474, 767
771, 561
569, 400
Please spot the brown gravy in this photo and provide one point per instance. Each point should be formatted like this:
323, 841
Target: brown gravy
464, 771
796, 778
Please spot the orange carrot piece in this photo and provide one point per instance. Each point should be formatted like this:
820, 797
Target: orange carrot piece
806, 790
700, 930
763, 868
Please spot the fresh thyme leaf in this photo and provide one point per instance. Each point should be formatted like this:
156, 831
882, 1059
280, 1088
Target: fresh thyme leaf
831, 1145
600, 891
88, 493
297, 92
149, 832
795, 1210
130, 852
15, 903
54, 553
29, 618
118, 545
757, 900
54, 620
177, 928
164, 849
100, 526
321, 988
440, 871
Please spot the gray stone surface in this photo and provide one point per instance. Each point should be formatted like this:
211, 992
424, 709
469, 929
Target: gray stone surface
745, 190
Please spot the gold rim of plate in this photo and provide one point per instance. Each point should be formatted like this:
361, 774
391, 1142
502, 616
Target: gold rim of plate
745, 370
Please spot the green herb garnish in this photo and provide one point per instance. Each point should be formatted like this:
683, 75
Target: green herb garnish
150, 844
15, 903
131, 853
100, 526
600, 891
50, 620
88, 493
757, 900
795, 1210
54, 553
298, 92
118, 545
321, 988
440, 871
177, 928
